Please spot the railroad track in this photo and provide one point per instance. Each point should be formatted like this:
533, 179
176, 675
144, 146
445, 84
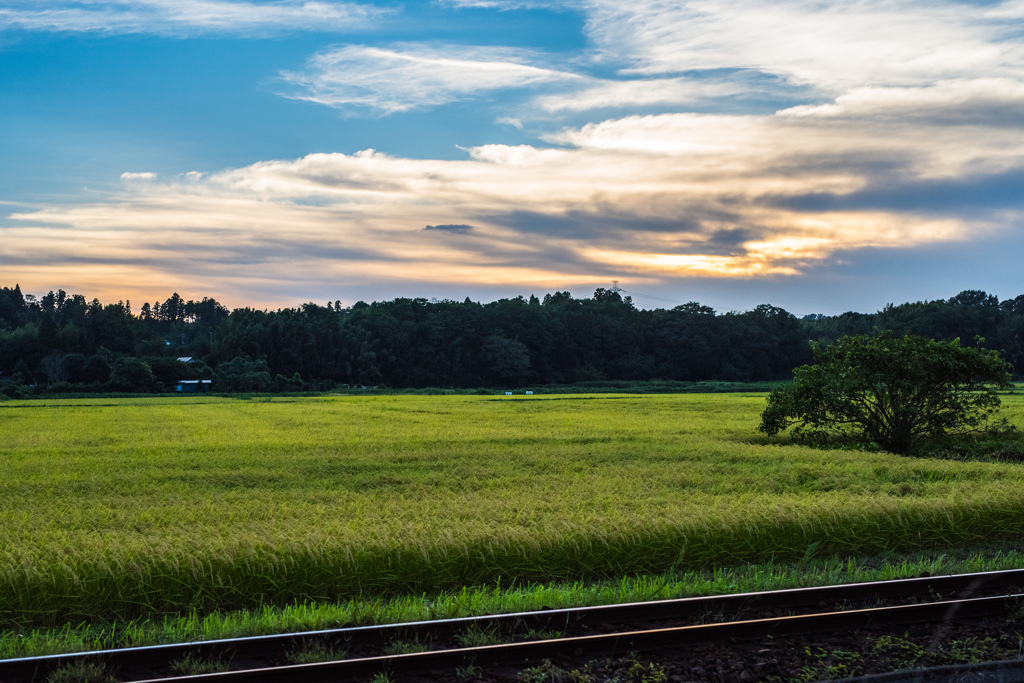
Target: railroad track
580, 632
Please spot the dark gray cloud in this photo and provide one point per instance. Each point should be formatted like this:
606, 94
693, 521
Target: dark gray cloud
998, 191
457, 228
881, 165
695, 233
732, 238
591, 225
973, 111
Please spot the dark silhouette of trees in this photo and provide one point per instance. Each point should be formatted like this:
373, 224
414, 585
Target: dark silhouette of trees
414, 342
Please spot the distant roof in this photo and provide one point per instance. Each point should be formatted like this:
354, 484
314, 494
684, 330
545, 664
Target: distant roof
185, 359
195, 381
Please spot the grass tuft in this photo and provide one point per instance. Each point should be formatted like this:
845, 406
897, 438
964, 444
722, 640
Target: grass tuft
191, 665
80, 672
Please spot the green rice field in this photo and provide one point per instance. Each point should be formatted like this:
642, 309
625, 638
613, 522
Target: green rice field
121, 509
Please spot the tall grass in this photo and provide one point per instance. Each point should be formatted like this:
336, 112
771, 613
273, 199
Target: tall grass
500, 598
122, 509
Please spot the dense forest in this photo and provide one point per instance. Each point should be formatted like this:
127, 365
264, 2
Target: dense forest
63, 342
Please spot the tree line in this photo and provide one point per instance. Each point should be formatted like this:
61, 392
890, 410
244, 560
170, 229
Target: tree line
63, 342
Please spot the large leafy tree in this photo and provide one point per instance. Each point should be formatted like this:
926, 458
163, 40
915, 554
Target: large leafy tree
131, 374
895, 391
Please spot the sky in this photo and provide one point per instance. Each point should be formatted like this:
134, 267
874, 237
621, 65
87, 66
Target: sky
815, 155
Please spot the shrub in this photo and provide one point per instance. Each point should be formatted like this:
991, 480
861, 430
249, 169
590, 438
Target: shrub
895, 391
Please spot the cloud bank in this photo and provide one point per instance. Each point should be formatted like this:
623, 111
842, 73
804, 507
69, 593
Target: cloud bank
899, 124
644, 196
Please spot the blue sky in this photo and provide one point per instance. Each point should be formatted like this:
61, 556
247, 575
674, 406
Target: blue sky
818, 156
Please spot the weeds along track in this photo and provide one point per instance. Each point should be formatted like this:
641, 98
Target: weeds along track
523, 638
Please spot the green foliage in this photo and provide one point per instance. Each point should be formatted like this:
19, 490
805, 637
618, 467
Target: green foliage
131, 374
192, 665
628, 669
96, 369
507, 360
830, 665
284, 384
975, 649
81, 672
548, 672
484, 600
469, 672
242, 374
477, 637
404, 647
14, 388
543, 634
903, 652
894, 391
416, 343
407, 343
317, 651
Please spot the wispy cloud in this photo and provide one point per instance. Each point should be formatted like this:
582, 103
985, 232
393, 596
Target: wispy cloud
997, 102
185, 17
833, 45
406, 77
642, 92
688, 54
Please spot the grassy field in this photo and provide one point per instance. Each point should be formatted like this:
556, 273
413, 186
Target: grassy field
130, 508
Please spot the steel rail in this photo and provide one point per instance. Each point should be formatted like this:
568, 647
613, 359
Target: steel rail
963, 585
619, 643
